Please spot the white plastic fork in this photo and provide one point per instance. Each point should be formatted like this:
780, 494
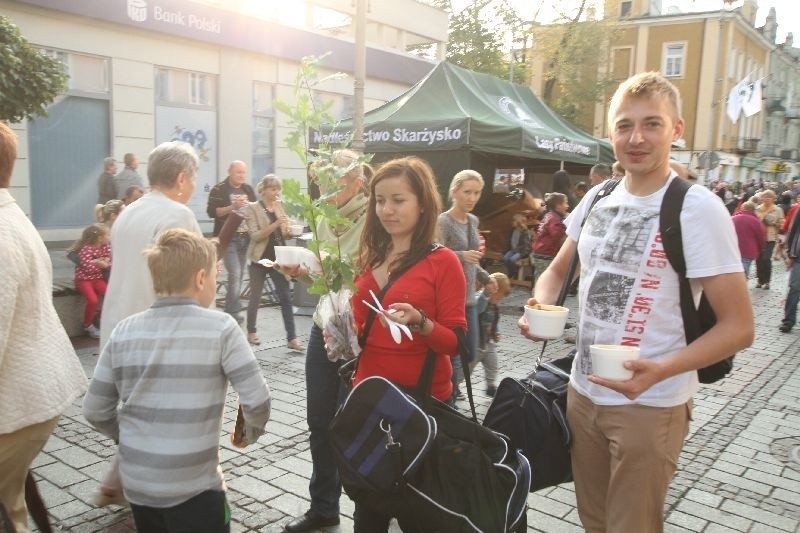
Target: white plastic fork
395, 328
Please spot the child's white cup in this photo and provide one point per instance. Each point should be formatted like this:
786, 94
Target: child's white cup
546, 321
608, 359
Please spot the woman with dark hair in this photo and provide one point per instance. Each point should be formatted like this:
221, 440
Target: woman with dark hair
397, 248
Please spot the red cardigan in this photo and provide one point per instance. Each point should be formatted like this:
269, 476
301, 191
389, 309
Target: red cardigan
437, 286
551, 235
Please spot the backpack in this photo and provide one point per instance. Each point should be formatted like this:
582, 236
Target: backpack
696, 320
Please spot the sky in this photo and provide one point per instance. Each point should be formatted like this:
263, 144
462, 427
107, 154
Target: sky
788, 11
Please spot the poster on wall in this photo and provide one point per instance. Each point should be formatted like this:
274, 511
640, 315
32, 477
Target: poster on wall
507, 179
197, 127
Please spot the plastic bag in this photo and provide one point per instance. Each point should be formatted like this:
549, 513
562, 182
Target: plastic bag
336, 316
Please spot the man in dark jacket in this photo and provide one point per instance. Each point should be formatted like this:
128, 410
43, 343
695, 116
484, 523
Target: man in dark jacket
106, 189
793, 265
230, 197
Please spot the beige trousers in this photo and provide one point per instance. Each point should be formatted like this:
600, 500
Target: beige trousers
17, 452
623, 458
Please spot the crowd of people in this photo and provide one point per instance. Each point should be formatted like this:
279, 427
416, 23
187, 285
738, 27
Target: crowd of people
167, 355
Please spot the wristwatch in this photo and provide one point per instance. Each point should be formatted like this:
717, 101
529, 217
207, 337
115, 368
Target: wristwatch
421, 324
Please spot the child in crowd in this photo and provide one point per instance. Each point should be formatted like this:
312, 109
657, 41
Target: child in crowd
551, 234
520, 243
92, 256
489, 317
169, 366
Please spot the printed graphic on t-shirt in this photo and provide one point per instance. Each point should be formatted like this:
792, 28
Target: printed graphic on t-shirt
621, 276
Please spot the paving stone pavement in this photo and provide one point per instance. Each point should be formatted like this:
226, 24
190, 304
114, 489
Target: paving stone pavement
736, 471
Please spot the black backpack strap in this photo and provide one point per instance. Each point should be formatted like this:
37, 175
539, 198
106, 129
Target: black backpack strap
672, 239
605, 190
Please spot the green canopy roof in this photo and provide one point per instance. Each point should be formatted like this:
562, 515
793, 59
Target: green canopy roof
453, 108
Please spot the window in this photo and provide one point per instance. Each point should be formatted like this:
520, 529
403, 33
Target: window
263, 129
184, 87
341, 106
624, 8
674, 54
87, 74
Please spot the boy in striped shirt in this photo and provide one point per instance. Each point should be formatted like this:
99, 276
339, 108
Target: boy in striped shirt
169, 366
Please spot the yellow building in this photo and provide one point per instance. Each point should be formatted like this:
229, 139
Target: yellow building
705, 55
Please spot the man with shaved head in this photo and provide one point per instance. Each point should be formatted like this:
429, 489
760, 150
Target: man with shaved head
227, 197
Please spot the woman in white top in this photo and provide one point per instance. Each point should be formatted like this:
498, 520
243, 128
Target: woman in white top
171, 169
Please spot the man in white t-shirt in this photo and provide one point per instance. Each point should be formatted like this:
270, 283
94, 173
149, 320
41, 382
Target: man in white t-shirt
627, 435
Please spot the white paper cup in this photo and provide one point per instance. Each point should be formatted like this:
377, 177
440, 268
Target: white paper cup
546, 321
608, 359
290, 256
295, 230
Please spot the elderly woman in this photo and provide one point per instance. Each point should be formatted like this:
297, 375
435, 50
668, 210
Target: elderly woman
268, 227
40, 376
171, 170
323, 387
771, 215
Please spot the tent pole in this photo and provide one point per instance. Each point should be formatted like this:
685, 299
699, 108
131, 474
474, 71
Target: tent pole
360, 74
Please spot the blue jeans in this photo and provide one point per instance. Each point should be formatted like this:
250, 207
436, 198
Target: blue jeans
510, 259
257, 275
324, 394
790, 308
746, 264
235, 259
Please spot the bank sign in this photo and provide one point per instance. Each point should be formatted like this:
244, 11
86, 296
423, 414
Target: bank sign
144, 10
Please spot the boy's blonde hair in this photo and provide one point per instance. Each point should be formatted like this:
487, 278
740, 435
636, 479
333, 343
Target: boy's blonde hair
645, 85
503, 283
176, 257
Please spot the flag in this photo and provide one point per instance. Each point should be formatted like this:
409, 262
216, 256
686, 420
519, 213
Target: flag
752, 103
735, 99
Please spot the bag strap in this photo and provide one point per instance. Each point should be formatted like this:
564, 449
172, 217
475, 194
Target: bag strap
672, 239
371, 316
422, 392
608, 186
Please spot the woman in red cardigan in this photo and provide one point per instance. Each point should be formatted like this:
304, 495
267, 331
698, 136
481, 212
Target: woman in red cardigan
428, 294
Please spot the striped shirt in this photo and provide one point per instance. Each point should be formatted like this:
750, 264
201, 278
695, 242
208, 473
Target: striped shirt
170, 366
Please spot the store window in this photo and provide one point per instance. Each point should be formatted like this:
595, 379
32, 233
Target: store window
674, 59
175, 86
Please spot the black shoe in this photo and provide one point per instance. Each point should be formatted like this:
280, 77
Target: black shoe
491, 391
785, 328
310, 522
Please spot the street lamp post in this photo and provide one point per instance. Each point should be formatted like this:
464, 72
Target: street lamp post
360, 75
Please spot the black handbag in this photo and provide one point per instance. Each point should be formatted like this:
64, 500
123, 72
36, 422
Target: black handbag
407, 454
532, 413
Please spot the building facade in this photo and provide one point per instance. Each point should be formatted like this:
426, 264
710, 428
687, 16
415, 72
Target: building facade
780, 139
203, 71
705, 55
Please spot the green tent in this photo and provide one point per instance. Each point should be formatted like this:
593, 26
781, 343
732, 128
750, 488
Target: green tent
456, 119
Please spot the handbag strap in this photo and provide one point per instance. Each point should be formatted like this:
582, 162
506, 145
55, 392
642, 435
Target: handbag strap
608, 187
422, 392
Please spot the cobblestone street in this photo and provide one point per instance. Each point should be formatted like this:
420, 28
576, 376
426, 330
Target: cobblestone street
736, 471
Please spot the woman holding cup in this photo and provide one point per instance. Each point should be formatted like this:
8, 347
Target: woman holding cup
268, 226
458, 230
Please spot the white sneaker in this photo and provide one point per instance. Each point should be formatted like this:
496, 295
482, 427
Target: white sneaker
92, 331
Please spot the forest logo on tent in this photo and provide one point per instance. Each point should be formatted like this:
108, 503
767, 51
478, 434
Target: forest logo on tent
517, 112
